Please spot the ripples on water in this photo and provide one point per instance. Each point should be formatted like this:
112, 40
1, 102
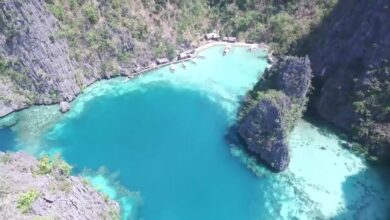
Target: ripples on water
156, 144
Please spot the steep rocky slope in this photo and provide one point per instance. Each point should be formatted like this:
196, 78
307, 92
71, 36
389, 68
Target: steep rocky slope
350, 57
41, 66
272, 108
32, 189
51, 50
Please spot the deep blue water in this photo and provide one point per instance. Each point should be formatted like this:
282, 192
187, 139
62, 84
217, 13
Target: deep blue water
7, 139
169, 145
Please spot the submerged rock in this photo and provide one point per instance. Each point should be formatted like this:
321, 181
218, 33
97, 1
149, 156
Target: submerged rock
272, 108
32, 189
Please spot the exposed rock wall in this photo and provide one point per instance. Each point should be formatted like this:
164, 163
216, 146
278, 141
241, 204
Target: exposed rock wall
57, 197
46, 72
350, 57
51, 50
264, 133
272, 108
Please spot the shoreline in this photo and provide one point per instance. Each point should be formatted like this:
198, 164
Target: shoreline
203, 46
133, 75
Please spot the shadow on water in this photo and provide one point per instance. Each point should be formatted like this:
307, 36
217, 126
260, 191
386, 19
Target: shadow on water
365, 204
326, 128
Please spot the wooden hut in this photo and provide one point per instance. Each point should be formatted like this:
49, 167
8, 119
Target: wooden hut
232, 39
183, 56
162, 61
212, 36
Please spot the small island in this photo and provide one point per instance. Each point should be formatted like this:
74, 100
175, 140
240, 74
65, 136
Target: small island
272, 108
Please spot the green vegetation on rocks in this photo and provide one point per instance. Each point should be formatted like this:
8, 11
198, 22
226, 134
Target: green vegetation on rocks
47, 165
26, 200
280, 23
126, 34
81, 42
372, 105
28, 194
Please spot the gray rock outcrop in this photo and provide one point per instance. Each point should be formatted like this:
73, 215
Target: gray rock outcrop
55, 195
64, 107
264, 133
272, 108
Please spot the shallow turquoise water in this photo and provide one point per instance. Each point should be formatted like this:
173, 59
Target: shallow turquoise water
162, 135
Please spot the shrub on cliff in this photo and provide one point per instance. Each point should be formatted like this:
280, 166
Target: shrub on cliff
27, 199
56, 165
91, 13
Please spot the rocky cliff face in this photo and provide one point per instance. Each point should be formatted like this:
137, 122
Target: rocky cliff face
29, 191
263, 130
44, 71
272, 108
350, 57
51, 50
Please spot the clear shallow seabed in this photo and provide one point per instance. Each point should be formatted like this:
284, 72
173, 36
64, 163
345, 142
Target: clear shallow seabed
161, 136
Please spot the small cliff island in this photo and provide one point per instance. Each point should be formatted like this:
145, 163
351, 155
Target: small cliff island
272, 108
44, 188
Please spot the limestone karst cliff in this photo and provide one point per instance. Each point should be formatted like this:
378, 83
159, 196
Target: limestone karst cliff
350, 58
272, 108
34, 68
51, 50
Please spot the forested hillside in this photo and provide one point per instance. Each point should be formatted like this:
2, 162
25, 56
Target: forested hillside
51, 49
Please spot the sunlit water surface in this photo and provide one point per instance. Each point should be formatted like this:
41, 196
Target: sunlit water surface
157, 145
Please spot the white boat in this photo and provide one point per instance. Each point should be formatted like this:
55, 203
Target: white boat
252, 48
172, 67
226, 50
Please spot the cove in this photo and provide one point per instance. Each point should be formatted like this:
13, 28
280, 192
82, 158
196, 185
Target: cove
163, 135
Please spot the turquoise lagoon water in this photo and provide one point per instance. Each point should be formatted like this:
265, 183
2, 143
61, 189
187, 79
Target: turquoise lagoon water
157, 145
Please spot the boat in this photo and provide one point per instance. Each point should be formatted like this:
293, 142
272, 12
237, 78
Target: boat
172, 67
252, 48
226, 51
184, 65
